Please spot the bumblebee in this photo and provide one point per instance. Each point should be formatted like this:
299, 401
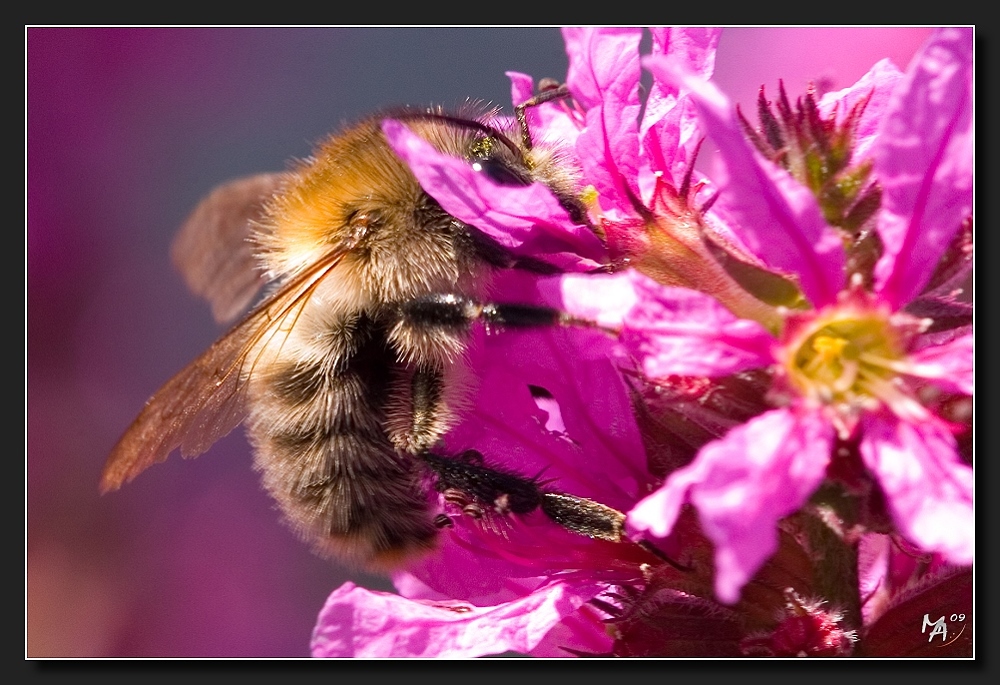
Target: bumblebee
350, 371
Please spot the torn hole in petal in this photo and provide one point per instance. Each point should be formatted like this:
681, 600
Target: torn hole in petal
547, 402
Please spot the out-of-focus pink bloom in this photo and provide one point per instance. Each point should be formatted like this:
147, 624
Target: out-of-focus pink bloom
847, 368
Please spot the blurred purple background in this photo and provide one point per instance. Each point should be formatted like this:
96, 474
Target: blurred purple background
126, 130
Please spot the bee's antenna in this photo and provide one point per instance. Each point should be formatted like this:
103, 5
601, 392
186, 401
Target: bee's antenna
467, 123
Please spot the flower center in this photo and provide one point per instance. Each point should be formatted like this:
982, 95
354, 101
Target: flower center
847, 358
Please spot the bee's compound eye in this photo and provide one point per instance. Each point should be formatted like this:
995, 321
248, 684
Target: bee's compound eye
500, 172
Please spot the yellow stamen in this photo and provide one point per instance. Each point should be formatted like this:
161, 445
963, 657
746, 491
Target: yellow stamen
848, 358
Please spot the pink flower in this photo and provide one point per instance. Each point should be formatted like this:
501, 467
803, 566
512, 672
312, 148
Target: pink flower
848, 369
562, 408
523, 582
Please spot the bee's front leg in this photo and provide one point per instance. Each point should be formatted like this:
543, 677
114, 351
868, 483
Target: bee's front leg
458, 312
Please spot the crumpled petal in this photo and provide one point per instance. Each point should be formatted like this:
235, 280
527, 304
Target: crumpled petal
741, 486
584, 632
526, 219
948, 366
877, 85
356, 622
778, 218
669, 130
604, 79
928, 490
668, 146
923, 160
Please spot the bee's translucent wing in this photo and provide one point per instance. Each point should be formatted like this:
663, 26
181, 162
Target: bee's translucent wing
207, 399
213, 249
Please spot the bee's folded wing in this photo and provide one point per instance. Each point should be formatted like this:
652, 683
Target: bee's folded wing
207, 399
214, 249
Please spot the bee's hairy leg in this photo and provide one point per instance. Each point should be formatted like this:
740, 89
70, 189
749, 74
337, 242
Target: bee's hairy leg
426, 388
584, 516
506, 492
480, 491
501, 490
433, 327
448, 310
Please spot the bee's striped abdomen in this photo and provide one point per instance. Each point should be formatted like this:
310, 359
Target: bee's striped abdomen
318, 425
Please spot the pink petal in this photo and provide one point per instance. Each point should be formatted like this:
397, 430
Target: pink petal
948, 366
526, 219
465, 567
874, 550
601, 60
669, 130
742, 485
877, 85
927, 488
582, 631
522, 87
668, 136
600, 453
670, 331
604, 299
657, 513
923, 160
778, 218
356, 622
684, 332
695, 46
604, 79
